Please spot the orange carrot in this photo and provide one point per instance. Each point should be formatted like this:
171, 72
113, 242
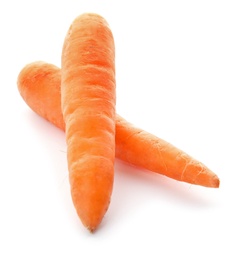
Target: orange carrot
39, 85
88, 106
39, 82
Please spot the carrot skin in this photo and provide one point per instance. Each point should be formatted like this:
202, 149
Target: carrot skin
39, 85
88, 106
38, 81
165, 158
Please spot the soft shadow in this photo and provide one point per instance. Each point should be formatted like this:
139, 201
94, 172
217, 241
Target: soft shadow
52, 140
44, 127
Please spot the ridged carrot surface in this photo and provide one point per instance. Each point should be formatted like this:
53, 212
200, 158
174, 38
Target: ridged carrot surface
88, 105
39, 82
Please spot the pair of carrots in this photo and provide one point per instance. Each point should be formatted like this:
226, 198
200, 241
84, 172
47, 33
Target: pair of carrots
80, 99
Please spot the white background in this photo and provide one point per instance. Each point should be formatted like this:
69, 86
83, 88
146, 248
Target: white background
178, 76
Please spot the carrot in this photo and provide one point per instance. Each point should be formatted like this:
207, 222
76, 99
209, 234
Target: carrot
88, 106
39, 82
39, 86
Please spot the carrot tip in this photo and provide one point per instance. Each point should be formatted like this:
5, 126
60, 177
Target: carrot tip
215, 182
91, 229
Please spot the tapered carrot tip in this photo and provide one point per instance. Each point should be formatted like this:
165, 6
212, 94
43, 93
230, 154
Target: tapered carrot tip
197, 173
91, 196
212, 182
216, 182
